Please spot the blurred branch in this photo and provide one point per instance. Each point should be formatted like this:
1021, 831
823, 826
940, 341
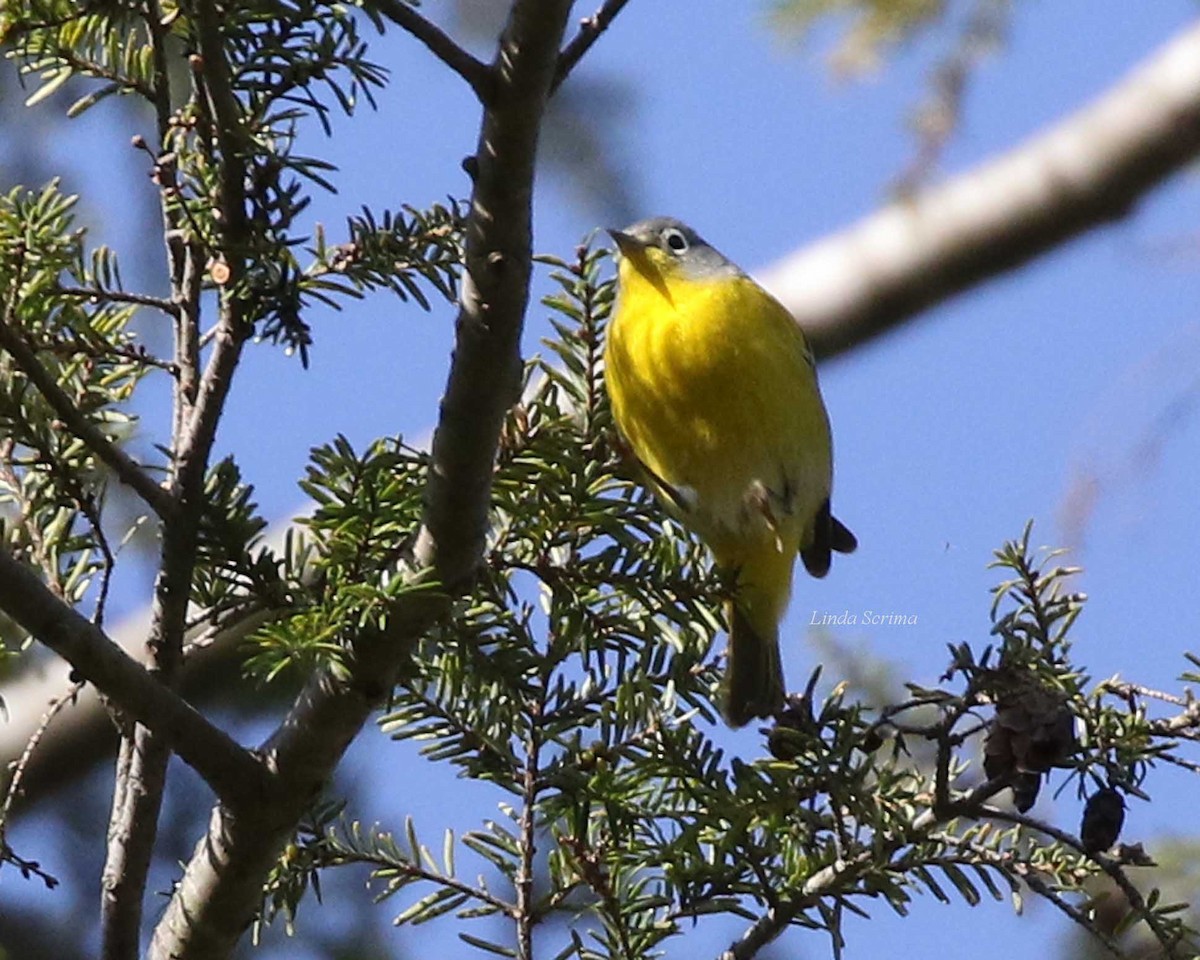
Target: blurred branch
1089, 170
222, 886
233, 773
83, 734
590, 29
478, 75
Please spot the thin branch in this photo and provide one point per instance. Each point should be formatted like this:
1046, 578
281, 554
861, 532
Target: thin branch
233, 772
13, 790
120, 296
162, 74
479, 75
525, 912
1167, 939
590, 29
126, 469
132, 832
143, 756
414, 869
1089, 170
194, 445
1011, 867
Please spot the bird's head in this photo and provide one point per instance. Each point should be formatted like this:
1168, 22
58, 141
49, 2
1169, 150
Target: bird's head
663, 251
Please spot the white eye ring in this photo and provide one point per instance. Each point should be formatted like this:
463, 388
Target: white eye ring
676, 242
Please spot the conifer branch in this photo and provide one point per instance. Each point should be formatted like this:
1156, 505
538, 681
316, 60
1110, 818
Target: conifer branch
128, 471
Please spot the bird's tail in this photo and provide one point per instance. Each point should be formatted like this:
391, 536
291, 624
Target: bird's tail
753, 682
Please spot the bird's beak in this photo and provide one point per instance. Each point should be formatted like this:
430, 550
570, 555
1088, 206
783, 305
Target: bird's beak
627, 243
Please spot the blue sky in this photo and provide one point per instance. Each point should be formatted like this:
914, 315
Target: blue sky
949, 434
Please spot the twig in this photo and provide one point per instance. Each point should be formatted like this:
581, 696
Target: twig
1130, 691
414, 869
161, 81
12, 485
1046, 892
525, 912
125, 468
590, 29
1007, 863
477, 74
14, 784
119, 296
98, 349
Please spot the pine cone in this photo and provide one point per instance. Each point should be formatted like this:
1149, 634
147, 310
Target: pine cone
1033, 730
1103, 818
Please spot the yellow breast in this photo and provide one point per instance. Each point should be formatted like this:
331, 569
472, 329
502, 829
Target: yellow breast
712, 386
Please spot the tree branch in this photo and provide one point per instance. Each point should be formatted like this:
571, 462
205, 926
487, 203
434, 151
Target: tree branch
126, 469
485, 376
477, 74
590, 29
1167, 939
144, 753
1089, 170
233, 772
222, 885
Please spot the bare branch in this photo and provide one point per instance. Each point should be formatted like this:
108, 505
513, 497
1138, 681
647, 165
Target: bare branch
479, 76
1089, 170
590, 29
485, 377
21, 764
233, 772
132, 831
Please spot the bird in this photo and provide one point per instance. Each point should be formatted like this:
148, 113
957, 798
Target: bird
714, 395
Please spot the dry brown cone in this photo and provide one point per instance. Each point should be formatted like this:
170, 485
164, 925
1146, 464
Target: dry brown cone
1033, 730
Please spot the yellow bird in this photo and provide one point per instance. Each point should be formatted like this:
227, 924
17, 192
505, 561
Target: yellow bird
714, 391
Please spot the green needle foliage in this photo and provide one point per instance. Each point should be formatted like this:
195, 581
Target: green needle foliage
579, 679
57, 310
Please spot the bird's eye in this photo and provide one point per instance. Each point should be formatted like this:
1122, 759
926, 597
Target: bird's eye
675, 240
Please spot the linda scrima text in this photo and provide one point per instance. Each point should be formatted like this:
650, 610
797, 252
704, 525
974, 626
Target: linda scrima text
867, 618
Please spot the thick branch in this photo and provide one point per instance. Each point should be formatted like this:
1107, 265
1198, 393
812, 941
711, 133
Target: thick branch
485, 377
233, 772
1088, 170
478, 75
127, 470
222, 885
82, 735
